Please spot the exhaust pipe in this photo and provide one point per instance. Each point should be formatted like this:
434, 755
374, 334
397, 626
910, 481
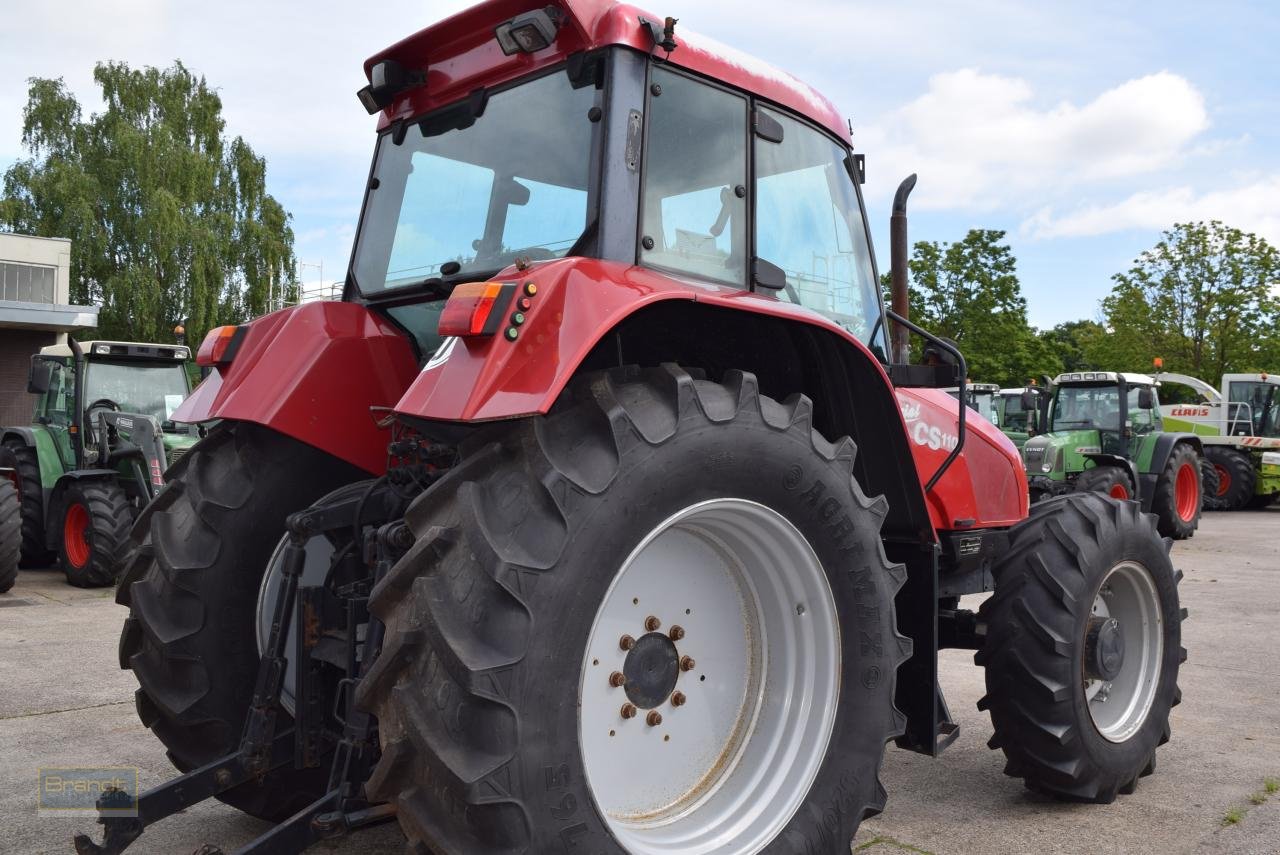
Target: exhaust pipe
898, 334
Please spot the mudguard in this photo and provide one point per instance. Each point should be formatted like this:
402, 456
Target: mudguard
1159, 459
313, 372
580, 301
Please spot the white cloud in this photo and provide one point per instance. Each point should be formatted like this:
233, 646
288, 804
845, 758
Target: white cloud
979, 141
1253, 206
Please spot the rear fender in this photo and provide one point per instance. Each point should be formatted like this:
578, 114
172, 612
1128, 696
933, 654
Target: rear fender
1163, 447
313, 372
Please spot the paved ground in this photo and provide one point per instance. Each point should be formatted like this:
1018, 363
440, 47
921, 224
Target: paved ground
67, 704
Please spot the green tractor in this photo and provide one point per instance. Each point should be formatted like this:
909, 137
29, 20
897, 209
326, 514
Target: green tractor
1022, 412
1105, 434
1239, 425
95, 453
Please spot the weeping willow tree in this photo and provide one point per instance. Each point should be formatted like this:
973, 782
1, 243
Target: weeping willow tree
170, 221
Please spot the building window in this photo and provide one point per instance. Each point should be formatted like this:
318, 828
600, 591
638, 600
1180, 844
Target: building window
28, 283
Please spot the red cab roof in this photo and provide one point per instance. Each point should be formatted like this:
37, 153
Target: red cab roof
461, 54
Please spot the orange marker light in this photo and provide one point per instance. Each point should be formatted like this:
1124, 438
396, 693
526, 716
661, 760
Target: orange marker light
220, 345
475, 308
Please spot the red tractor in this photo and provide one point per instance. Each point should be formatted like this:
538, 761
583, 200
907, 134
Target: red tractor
599, 515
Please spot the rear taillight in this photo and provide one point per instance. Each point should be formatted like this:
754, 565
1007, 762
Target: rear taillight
476, 308
220, 345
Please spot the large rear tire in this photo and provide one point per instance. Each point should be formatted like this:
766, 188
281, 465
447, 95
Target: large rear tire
1079, 704
10, 533
21, 457
1236, 476
501, 718
192, 589
1209, 481
96, 516
1178, 495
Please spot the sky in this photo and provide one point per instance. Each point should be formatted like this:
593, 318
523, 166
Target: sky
1082, 130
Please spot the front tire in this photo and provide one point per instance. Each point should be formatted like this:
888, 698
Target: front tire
1072, 720
192, 590
10, 534
502, 722
96, 516
1237, 477
1109, 480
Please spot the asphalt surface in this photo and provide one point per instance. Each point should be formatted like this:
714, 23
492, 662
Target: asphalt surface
66, 703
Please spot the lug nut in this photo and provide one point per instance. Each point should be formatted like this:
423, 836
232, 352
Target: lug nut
626, 642
676, 633
628, 710
653, 719
687, 663
677, 700
651, 623
617, 679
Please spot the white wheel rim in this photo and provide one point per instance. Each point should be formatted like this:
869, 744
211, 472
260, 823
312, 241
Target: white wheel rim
1120, 707
725, 771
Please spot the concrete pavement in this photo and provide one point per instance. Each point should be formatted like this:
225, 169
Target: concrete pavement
66, 703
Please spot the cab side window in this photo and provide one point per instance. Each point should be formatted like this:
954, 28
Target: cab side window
695, 206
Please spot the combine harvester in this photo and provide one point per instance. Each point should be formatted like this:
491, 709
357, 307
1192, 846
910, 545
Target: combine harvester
599, 516
1239, 425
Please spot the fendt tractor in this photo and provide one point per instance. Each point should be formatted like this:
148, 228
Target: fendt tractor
1105, 434
600, 516
95, 452
1022, 412
1239, 424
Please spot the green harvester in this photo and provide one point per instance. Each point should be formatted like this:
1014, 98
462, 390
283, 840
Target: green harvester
1105, 433
96, 451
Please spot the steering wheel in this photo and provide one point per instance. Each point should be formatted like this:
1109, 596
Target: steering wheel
90, 412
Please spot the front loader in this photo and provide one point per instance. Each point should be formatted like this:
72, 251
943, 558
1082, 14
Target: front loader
95, 452
597, 516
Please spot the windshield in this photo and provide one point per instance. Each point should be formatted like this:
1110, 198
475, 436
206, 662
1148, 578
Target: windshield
138, 387
1089, 407
480, 184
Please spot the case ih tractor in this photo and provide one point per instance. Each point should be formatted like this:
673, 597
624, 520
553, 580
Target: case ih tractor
95, 452
1239, 425
598, 517
1105, 434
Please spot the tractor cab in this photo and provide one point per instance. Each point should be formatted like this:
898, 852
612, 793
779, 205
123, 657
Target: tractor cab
117, 377
1094, 416
1253, 404
981, 398
1022, 412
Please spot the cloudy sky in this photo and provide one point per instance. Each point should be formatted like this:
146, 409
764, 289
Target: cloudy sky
1080, 129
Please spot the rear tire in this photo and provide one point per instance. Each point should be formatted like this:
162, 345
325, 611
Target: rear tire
96, 516
1056, 732
22, 457
1178, 496
1209, 482
1237, 477
490, 675
192, 591
10, 534
1110, 480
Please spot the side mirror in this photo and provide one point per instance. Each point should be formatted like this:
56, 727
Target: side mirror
40, 377
1146, 400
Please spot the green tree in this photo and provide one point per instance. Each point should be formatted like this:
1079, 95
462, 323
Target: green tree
969, 292
1201, 299
170, 221
1075, 342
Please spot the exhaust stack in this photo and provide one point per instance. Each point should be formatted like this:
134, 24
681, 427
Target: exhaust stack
899, 303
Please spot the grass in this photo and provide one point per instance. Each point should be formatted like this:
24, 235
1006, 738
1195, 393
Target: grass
1258, 798
1233, 816
1271, 786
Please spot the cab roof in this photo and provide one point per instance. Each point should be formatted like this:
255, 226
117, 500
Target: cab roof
123, 349
461, 54
1075, 378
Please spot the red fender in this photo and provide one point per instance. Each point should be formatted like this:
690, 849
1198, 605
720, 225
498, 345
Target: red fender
312, 372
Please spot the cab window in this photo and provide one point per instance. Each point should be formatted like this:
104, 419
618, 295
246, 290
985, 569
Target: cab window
695, 174
1143, 421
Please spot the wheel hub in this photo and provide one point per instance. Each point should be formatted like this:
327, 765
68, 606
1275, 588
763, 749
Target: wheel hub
1104, 649
651, 669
